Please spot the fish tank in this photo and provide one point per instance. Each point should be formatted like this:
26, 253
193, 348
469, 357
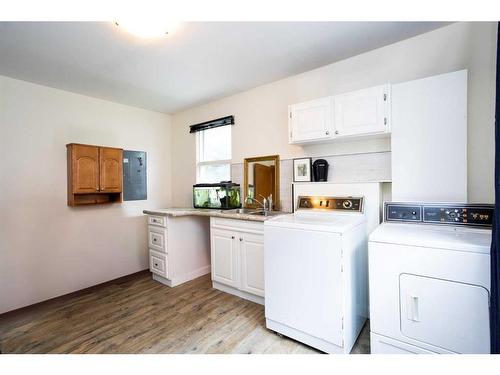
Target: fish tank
224, 195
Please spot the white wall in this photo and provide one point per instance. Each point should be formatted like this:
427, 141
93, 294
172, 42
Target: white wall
47, 248
261, 113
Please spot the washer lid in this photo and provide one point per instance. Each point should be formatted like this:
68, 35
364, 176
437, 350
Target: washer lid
472, 240
318, 221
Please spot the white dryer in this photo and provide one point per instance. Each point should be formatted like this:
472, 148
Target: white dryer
429, 278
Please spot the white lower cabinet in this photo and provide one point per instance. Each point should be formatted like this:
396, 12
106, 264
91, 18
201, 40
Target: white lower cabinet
237, 249
252, 263
179, 248
225, 257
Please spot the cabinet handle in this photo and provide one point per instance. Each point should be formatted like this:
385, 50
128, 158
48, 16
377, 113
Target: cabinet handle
327, 132
336, 132
232, 237
241, 239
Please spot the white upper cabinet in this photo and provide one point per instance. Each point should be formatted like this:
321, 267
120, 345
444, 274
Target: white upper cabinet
357, 113
362, 112
311, 121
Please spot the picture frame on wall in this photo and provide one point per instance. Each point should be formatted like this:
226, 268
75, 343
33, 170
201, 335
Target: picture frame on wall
302, 170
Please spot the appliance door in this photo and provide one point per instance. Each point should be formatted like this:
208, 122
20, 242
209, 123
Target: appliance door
446, 314
304, 281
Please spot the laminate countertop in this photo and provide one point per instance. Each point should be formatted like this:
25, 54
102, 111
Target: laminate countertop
228, 214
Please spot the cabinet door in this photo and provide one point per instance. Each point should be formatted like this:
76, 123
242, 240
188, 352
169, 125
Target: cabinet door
85, 166
224, 251
111, 170
311, 120
362, 112
252, 263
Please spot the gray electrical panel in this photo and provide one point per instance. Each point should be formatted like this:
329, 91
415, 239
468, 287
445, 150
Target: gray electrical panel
134, 175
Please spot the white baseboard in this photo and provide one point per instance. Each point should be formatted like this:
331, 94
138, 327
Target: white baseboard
191, 275
183, 278
162, 280
238, 293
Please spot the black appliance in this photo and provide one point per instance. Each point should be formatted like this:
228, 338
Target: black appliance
320, 170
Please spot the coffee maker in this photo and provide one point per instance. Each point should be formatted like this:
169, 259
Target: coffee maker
320, 170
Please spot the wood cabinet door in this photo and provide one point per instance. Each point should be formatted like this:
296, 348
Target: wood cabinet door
224, 248
85, 166
252, 263
362, 112
111, 171
311, 121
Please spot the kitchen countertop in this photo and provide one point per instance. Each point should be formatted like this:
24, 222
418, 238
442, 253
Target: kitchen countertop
210, 212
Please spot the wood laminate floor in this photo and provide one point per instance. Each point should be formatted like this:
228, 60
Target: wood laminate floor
139, 315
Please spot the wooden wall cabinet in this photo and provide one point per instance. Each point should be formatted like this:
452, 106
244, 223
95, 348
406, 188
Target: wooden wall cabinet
95, 174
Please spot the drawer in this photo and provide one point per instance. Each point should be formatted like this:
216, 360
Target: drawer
158, 263
157, 238
248, 226
159, 221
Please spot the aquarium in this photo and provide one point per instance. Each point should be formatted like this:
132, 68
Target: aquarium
224, 195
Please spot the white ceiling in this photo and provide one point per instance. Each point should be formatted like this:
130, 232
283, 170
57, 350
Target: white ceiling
198, 63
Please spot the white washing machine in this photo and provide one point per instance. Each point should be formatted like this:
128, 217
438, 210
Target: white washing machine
429, 278
316, 265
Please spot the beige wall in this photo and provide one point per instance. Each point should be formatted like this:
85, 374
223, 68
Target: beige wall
47, 248
261, 113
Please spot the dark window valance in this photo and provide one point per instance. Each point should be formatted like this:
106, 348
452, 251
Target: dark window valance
223, 121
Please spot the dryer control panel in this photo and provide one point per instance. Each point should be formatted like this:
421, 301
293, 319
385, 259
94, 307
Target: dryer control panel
436, 213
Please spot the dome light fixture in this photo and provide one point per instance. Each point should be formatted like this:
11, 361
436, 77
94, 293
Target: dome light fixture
147, 28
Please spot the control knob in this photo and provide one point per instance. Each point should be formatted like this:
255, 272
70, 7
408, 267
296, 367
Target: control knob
347, 204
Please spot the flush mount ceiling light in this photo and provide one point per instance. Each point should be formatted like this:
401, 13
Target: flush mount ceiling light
147, 28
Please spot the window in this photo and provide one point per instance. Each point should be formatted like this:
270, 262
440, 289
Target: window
213, 155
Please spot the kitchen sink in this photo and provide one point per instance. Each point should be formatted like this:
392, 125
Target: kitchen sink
244, 211
266, 213
253, 211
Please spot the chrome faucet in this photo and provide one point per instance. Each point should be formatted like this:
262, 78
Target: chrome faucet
266, 204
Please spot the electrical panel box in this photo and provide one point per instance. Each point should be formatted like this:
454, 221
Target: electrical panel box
134, 175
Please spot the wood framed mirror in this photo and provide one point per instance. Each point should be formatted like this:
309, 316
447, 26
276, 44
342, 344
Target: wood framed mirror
261, 178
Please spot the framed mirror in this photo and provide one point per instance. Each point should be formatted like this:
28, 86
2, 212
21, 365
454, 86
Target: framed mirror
261, 178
